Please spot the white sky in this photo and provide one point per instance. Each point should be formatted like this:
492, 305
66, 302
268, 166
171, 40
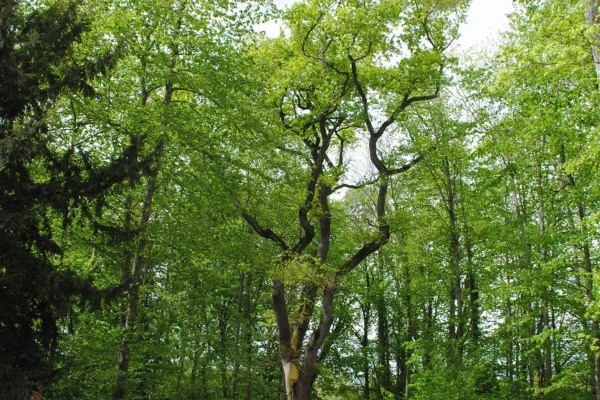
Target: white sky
485, 20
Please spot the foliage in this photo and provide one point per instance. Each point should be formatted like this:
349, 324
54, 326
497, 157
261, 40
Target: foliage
189, 209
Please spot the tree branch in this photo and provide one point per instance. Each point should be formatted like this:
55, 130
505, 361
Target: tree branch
363, 96
266, 233
410, 100
405, 167
356, 186
361, 254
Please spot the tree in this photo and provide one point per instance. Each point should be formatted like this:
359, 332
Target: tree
42, 180
429, 231
332, 84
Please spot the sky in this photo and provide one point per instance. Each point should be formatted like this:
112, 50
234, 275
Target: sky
485, 20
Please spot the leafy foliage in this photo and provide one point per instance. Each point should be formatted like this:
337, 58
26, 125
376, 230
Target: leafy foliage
189, 209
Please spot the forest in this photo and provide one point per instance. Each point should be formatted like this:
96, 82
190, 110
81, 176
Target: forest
354, 209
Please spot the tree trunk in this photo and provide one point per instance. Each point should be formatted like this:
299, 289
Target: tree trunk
364, 338
182, 354
509, 353
299, 369
428, 332
134, 278
546, 367
472, 288
193, 383
455, 327
403, 354
383, 345
365, 345
530, 363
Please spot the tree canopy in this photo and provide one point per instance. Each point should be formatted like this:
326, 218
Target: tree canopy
354, 209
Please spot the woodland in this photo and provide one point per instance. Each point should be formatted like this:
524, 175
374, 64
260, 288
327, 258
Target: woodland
355, 209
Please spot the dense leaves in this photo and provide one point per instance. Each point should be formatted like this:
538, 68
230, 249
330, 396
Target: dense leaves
41, 183
354, 209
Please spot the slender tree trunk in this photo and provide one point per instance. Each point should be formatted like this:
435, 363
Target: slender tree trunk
182, 354
510, 362
401, 367
556, 343
223, 347
455, 327
204, 393
366, 369
131, 311
126, 276
134, 278
364, 339
589, 289
532, 363
193, 383
204, 359
509, 354
546, 374
383, 342
472, 283
579, 272
428, 332
123, 357
403, 354
240, 307
134, 281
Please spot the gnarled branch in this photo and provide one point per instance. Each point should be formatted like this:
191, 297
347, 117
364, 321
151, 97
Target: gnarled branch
266, 233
